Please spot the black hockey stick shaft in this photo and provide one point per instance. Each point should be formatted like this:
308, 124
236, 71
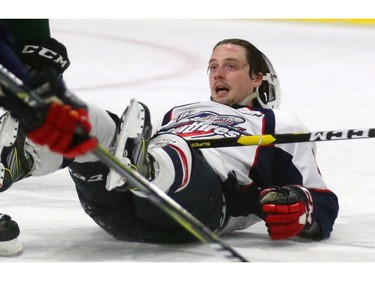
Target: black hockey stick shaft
159, 198
263, 140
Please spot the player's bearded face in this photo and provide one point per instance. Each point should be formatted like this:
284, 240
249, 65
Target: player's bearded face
229, 77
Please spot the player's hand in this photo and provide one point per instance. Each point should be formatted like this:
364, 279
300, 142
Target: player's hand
287, 210
52, 116
65, 131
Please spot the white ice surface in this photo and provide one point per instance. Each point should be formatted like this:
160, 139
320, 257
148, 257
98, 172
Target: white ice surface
327, 75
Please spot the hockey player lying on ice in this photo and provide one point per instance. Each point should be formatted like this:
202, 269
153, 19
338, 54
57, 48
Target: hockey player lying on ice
227, 188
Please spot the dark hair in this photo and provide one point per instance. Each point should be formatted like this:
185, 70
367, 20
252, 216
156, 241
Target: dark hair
253, 55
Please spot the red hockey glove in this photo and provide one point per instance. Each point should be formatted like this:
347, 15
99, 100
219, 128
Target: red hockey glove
65, 131
287, 210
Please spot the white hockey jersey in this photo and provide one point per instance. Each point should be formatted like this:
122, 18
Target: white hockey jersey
254, 166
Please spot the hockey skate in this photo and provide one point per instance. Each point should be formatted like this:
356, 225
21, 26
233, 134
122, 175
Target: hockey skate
9, 231
131, 144
15, 163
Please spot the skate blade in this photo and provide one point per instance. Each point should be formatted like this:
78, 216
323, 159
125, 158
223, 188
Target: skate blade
129, 129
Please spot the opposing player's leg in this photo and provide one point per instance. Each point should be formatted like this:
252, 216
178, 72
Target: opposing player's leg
17, 158
20, 157
15, 162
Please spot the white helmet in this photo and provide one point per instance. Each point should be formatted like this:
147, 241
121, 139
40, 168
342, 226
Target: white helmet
268, 93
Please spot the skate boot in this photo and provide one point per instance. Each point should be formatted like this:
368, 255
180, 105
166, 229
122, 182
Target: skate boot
9, 231
131, 144
15, 163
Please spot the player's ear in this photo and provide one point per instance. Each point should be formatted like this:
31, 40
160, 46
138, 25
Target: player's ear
258, 78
